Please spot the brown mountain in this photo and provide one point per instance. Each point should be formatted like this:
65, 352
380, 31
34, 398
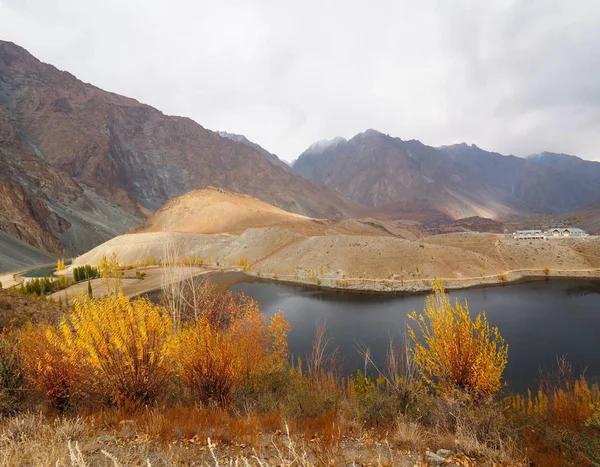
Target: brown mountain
77, 160
460, 180
242, 139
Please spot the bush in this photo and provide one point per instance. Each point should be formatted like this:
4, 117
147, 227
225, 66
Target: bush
377, 405
455, 352
243, 263
503, 277
49, 367
112, 350
546, 271
225, 347
123, 344
561, 421
11, 377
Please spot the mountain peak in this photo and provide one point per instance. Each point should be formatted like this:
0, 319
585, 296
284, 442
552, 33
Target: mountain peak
324, 144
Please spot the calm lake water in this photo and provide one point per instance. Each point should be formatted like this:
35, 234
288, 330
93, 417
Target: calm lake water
41, 272
539, 320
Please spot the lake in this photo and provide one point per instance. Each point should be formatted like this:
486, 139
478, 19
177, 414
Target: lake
46, 271
539, 320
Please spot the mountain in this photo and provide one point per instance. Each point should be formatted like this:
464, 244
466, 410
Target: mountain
588, 171
459, 181
242, 139
79, 164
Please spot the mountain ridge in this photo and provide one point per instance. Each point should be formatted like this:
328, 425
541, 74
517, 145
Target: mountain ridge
461, 180
64, 142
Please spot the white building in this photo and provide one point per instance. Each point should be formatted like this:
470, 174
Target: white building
529, 234
550, 233
565, 232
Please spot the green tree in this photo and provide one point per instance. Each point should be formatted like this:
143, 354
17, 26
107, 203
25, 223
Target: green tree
90, 293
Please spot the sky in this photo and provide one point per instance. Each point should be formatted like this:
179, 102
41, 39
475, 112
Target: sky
516, 77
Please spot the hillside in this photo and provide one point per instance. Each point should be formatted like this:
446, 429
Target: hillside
459, 181
213, 210
227, 229
242, 139
69, 150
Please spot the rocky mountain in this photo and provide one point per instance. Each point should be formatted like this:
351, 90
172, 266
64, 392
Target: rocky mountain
79, 164
242, 139
460, 181
588, 171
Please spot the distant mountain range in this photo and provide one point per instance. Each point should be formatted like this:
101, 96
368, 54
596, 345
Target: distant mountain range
79, 165
374, 169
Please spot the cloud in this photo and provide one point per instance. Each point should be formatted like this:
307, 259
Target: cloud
510, 76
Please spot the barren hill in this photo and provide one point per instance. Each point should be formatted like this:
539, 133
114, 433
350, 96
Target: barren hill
213, 210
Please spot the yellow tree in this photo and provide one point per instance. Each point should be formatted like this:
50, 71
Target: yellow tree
453, 351
110, 271
60, 265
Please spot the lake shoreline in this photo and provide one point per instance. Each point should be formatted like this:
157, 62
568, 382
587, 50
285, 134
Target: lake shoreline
422, 286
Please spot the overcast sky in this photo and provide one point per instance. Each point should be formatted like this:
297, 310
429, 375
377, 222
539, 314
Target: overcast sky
512, 76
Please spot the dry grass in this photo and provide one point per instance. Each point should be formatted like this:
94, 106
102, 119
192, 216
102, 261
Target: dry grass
33, 439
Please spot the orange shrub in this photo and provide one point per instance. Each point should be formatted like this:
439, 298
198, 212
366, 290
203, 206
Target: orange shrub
455, 352
226, 346
568, 407
52, 370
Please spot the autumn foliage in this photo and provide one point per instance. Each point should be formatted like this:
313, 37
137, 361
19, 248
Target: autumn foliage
121, 352
225, 346
453, 351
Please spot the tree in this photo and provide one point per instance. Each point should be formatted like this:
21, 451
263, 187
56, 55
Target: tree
110, 271
60, 265
90, 293
455, 352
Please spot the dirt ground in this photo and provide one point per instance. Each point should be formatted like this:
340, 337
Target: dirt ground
366, 261
224, 229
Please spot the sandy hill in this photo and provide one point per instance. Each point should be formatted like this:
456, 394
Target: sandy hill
214, 210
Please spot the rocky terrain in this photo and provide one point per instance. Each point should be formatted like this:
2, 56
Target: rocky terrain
459, 181
242, 139
363, 254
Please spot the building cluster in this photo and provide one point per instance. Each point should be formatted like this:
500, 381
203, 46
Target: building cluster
555, 232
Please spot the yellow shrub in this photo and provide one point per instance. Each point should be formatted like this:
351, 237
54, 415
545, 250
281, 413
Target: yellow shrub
243, 263
110, 349
123, 343
455, 352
